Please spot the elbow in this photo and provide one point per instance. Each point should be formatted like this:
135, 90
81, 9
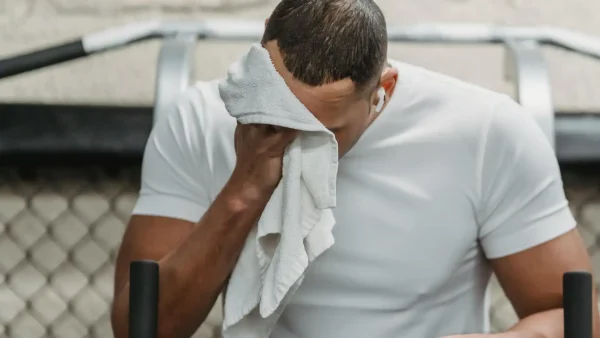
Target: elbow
118, 323
119, 318
119, 313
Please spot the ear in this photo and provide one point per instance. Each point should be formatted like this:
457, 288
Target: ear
389, 78
387, 83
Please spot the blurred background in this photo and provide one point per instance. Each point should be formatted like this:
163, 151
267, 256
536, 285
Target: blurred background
63, 210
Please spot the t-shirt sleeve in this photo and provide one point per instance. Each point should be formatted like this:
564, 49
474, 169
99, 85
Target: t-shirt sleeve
523, 202
173, 169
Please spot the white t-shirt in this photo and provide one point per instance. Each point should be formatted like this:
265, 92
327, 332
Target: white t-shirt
448, 175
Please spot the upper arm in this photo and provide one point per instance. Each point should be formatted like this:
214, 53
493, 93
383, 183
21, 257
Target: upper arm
532, 279
173, 194
526, 227
522, 198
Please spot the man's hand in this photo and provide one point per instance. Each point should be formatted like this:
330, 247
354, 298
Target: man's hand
259, 149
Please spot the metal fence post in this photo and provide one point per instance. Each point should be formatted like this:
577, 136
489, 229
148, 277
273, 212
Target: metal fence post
525, 66
174, 73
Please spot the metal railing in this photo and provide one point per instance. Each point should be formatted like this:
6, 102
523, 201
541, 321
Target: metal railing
524, 67
60, 229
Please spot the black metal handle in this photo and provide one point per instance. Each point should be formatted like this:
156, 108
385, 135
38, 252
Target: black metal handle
577, 304
143, 299
41, 58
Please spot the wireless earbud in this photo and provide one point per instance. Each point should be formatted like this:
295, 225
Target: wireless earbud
381, 96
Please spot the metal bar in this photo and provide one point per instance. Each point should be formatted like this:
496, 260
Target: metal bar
107, 135
175, 71
577, 137
40, 59
578, 290
143, 299
239, 30
526, 67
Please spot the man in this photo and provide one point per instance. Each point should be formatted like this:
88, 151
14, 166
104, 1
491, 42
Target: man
447, 184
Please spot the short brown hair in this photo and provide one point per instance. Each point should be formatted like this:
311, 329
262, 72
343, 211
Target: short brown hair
323, 41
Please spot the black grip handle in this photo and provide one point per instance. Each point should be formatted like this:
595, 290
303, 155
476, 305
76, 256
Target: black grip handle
577, 304
42, 58
143, 299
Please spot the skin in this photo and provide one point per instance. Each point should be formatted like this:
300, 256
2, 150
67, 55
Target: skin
197, 258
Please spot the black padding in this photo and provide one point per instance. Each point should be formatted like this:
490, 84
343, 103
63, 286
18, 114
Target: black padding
578, 137
42, 58
33, 134
577, 304
143, 299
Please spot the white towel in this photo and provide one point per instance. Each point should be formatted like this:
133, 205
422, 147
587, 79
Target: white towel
296, 225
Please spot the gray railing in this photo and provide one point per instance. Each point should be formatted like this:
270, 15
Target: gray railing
576, 138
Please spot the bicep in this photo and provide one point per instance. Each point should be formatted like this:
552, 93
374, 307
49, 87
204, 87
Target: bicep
526, 227
523, 202
175, 171
532, 279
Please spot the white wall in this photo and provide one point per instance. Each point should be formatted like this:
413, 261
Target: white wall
127, 76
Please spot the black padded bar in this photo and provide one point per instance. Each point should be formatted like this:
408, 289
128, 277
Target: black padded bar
42, 58
143, 299
577, 304
36, 134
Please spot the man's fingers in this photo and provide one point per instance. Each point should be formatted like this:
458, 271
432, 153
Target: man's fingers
273, 135
277, 130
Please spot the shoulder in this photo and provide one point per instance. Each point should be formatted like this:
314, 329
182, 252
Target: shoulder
195, 128
200, 109
469, 121
446, 107
464, 106
429, 86
198, 118
175, 178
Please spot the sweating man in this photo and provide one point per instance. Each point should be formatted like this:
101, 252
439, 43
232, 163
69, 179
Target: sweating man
447, 184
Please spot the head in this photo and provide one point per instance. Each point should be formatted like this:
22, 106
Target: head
333, 56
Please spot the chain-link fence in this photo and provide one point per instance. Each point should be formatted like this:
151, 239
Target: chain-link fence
60, 230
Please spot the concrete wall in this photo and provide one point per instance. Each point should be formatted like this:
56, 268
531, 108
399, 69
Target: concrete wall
126, 76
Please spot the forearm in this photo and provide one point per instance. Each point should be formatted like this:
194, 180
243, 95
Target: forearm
548, 324
193, 274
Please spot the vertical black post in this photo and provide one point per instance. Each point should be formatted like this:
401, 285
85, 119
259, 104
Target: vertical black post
143, 299
577, 304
